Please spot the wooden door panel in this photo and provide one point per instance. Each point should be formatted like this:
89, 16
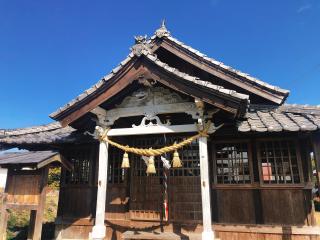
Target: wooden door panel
184, 192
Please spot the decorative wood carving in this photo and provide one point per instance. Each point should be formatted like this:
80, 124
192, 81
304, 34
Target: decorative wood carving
149, 121
148, 102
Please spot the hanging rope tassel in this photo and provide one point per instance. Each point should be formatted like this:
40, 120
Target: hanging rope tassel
125, 161
176, 161
151, 169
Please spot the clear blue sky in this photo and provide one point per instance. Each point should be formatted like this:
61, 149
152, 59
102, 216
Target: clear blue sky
50, 51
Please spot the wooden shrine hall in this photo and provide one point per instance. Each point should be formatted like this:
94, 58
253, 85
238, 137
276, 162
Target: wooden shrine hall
172, 144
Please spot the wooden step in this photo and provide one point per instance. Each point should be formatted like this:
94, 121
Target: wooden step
155, 235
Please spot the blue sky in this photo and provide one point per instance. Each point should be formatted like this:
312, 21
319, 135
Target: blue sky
50, 51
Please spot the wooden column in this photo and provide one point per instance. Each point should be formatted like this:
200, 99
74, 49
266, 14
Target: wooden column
36, 216
3, 218
207, 233
316, 152
99, 229
32, 221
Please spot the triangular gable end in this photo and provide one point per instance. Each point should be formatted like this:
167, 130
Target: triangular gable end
140, 65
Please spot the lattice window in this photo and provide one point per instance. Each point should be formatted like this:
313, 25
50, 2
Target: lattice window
116, 174
189, 156
81, 159
279, 162
232, 163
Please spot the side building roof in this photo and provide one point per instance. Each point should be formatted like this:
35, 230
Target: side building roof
33, 159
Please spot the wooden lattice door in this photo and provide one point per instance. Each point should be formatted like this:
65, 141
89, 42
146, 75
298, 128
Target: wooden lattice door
145, 191
184, 192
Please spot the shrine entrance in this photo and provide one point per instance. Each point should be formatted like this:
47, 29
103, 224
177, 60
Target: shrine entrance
181, 186
160, 136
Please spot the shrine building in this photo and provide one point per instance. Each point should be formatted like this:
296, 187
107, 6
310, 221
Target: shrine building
171, 144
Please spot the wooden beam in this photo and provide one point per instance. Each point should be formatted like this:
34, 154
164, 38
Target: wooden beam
22, 206
110, 116
152, 130
157, 130
268, 229
316, 154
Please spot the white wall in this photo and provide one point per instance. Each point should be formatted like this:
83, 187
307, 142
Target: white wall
3, 177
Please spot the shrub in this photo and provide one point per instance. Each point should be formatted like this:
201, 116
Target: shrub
54, 177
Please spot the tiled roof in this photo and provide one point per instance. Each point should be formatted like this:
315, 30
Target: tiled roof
165, 34
26, 158
46, 134
144, 51
291, 118
196, 80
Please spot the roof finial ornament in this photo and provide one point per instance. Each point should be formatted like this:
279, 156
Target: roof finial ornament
162, 31
141, 46
163, 23
140, 39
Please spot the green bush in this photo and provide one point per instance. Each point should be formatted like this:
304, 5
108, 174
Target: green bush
54, 177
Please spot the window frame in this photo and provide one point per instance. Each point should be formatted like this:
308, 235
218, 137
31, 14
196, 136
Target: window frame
299, 163
214, 161
72, 152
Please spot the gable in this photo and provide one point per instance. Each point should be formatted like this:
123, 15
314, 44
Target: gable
142, 66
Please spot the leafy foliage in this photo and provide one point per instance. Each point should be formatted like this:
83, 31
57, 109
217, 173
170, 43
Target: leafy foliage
54, 177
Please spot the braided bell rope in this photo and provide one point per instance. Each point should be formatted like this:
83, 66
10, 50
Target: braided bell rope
155, 152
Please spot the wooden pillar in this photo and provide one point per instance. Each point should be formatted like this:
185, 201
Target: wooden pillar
32, 221
207, 233
3, 218
316, 154
36, 216
99, 229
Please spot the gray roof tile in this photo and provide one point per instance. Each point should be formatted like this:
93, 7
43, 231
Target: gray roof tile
222, 65
277, 119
